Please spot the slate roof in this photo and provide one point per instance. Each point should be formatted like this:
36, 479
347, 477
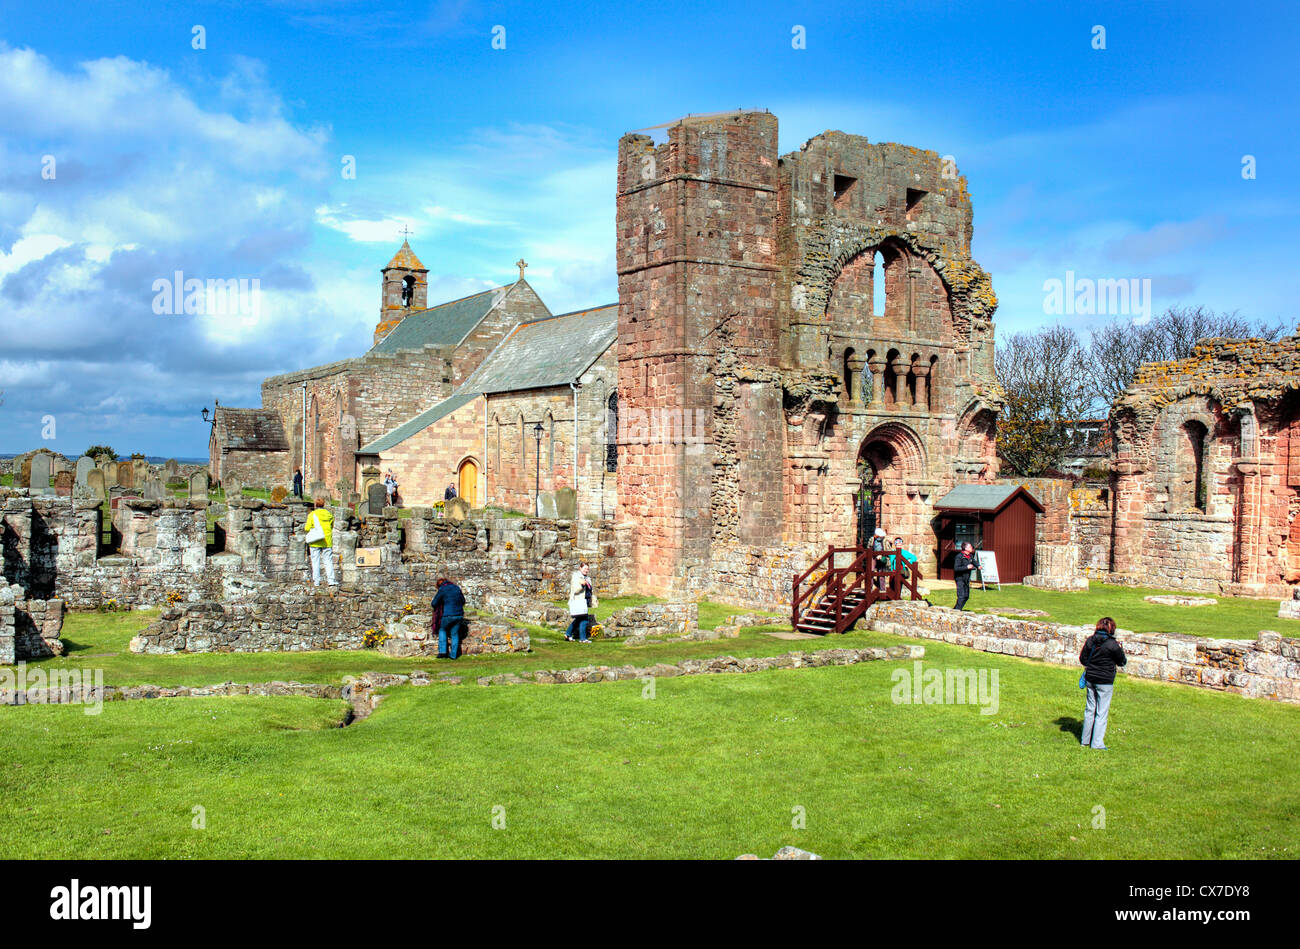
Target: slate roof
251, 430
552, 351
981, 497
446, 324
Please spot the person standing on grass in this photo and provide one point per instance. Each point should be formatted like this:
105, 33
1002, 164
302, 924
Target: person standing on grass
297, 482
581, 598
322, 547
449, 602
390, 486
1101, 656
962, 565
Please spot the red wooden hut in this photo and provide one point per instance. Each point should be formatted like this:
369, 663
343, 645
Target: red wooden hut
1002, 518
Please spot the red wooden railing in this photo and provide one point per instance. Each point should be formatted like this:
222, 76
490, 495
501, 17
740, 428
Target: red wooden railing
834, 599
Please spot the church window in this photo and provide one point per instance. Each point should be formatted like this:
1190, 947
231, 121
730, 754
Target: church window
611, 433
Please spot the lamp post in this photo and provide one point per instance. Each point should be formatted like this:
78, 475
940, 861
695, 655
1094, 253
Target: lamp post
537, 484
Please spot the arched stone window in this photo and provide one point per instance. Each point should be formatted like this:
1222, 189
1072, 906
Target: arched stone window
611, 432
1192, 468
850, 390
878, 285
408, 290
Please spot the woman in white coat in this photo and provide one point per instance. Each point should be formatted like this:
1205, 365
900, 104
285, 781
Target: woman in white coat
581, 599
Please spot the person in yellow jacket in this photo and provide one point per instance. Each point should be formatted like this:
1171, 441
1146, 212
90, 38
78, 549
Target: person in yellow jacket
322, 549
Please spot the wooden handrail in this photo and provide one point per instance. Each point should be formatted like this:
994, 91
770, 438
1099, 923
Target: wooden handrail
836, 587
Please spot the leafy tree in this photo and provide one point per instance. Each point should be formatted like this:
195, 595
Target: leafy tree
1048, 383
1119, 348
95, 451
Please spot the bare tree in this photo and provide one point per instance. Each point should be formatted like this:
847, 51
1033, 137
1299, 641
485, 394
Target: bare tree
1047, 377
1119, 348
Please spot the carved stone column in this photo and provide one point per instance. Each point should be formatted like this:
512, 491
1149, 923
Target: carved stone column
900, 382
877, 366
922, 371
855, 366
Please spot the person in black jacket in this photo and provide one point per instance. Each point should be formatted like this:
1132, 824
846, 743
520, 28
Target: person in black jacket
451, 602
962, 565
1101, 656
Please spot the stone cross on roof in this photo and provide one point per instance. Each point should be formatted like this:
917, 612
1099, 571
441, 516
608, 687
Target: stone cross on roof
406, 232
521, 264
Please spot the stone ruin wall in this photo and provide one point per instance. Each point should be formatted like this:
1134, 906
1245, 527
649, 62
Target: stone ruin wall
1267, 668
51, 552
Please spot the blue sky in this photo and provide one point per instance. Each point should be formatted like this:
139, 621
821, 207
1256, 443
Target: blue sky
1124, 162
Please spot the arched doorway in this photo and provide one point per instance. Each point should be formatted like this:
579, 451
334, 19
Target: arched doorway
468, 482
870, 498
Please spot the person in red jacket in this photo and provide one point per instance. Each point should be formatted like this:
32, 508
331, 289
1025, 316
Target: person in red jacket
1101, 656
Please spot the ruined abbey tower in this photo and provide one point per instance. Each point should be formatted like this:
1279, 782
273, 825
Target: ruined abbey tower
771, 398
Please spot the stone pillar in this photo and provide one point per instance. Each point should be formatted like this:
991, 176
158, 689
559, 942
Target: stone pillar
1128, 525
1249, 526
877, 366
855, 366
922, 371
900, 382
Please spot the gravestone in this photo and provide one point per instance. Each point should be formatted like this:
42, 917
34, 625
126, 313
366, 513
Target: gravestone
153, 490
318, 490
456, 509
85, 465
126, 475
24, 474
40, 474
95, 482
199, 486
233, 486
566, 504
546, 504
171, 469
57, 464
63, 484
376, 498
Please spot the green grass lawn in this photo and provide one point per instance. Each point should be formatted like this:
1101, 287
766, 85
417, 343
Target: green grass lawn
711, 767
1231, 618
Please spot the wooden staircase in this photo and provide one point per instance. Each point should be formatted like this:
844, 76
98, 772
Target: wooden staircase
832, 594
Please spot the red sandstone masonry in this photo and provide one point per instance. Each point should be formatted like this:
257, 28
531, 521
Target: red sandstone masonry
1268, 668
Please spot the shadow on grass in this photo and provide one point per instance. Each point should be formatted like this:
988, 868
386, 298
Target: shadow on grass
1073, 726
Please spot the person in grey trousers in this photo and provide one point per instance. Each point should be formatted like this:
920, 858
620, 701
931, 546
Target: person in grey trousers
1101, 656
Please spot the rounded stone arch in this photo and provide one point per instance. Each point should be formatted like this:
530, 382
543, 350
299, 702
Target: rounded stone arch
894, 455
1182, 456
977, 432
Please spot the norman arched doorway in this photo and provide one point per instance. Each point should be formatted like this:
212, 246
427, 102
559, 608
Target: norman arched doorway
467, 482
891, 463
870, 498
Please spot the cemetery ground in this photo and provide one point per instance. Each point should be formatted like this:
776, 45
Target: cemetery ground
709, 767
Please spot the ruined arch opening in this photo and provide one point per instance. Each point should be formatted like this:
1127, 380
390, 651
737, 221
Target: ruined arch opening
1193, 485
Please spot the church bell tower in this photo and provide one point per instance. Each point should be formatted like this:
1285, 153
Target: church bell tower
405, 289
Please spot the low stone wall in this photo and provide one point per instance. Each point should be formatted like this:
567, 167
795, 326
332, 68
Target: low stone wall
1268, 668
29, 629
664, 620
266, 616
755, 576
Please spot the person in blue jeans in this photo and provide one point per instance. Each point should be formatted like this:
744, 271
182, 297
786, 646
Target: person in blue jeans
451, 601
1101, 656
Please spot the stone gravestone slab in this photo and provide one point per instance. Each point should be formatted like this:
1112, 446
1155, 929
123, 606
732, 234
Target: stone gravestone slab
57, 464
153, 490
25, 474
319, 490
63, 484
233, 486
457, 509
566, 504
376, 498
171, 469
199, 486
40, 474
95, 481
126, 475
85, 465
546, 504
